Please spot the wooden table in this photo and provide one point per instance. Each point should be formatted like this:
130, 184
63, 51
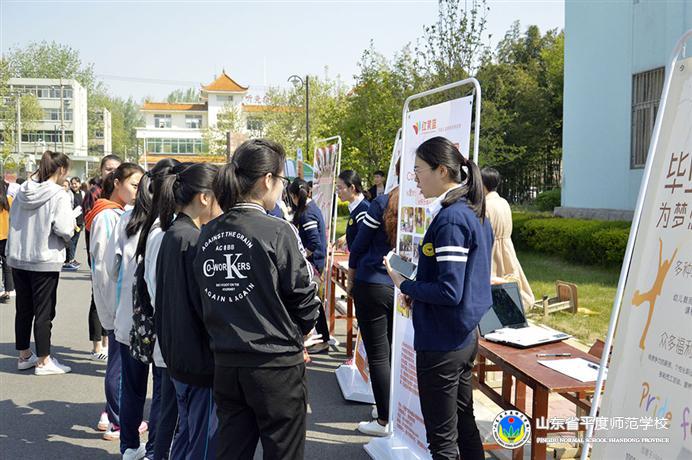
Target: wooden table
520, 368
339, 276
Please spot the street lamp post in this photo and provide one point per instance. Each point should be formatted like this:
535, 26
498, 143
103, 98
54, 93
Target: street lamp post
299, 83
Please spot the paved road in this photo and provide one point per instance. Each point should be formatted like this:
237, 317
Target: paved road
54, 417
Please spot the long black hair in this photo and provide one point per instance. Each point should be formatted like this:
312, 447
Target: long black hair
351, 178
299, 189
123, 171
4, 202
179, 188
143, 201
154, 180
440, 151
252, 160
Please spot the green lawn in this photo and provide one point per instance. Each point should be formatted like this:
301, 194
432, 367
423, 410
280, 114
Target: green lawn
596, 288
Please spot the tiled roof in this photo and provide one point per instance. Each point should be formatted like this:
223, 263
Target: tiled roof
224, 83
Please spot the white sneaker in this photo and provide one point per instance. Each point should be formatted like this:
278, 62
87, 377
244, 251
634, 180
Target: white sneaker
374, 414
373, 428
28, 363
113, 433
51, 367
103, 422
333, 341
135, 454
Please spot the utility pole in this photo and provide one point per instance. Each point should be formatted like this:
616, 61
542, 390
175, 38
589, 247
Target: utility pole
19, 124
307, 115
228, 146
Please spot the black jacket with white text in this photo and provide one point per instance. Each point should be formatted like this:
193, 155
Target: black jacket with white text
258, 295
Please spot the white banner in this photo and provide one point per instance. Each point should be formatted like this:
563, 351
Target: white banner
392, 178
650, 375
452, 120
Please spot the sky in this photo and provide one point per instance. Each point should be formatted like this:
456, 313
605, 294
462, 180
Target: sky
148, 48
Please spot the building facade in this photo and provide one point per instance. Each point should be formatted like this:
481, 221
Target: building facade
184, 130
615, 58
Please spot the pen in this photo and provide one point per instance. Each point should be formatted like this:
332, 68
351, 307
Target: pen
593, 366
546, 355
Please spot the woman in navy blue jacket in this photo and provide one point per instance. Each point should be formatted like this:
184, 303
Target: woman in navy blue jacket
449, 296
350, 189
308, 220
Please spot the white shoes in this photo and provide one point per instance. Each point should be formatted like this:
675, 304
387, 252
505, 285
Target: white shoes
374, 414
28, 363
135, 454
103, 422
373, 428
51, 367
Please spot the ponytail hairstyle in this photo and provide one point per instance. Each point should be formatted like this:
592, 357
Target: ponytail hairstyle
439, 151
391, 213
252, 160
181, 186
299, 189
50, 163
4, 202
351, 178
154, 178
107, 186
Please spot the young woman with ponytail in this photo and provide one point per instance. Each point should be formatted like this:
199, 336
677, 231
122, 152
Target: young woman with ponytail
148, 247
186, 203
259, 301
41, 222
308, 219
450, 295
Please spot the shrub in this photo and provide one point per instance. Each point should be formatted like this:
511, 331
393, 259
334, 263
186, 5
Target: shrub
548, 200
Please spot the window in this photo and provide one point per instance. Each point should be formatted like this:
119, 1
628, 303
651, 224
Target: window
193, 121
254, 124
176, 146
47, 136
222, 98
67, 93
51, 114
162, 120
42, 92
646, 96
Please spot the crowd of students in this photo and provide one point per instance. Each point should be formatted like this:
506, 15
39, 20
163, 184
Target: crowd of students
208, 279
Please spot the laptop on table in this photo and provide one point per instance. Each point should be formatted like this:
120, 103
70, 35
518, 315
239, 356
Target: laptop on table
506, 323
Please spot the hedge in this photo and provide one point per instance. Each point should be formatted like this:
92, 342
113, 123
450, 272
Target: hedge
589, 242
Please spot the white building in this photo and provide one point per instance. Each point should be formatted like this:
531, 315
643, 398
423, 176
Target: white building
101, 142
615, 58
176, 130
64, 104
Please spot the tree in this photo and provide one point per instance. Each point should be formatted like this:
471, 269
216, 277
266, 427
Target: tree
228, 120
184, 95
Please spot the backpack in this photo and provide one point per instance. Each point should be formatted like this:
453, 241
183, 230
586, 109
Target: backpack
142, 334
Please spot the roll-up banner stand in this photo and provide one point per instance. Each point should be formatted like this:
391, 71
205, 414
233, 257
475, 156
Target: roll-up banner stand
451, 119
648, 394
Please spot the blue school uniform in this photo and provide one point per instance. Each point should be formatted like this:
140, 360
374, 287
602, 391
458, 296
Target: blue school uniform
371, 245
313, 235
355, 218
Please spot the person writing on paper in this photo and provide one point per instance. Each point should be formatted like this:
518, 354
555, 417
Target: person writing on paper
505, 266
350, 189
449, 297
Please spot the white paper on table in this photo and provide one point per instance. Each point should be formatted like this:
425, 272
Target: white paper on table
577, 368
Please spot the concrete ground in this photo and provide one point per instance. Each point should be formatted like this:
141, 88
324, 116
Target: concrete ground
54, 417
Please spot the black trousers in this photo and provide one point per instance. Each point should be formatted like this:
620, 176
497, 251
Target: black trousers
96, 330
7, 280
260, 403
168, 417
36, 299
374, 311
446, 399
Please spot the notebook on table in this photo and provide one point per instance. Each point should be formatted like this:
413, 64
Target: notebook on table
506, 323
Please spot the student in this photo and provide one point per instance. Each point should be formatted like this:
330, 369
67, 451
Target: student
350, 189
449, 296
121, 264
373, 295
505, 263
77, 199
377, 189
184, 341
119, 190
259, 301
5, 204
308, 219
97, 334
148, 249
40, 223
